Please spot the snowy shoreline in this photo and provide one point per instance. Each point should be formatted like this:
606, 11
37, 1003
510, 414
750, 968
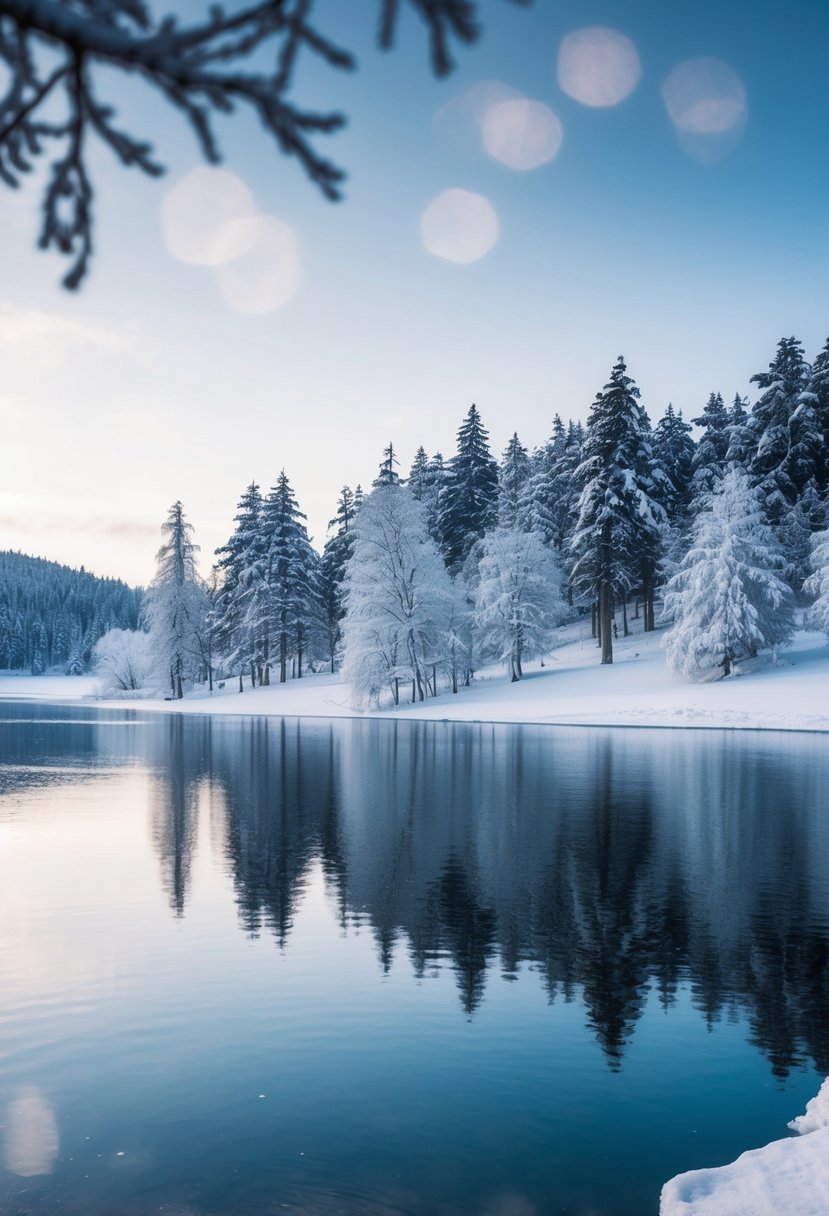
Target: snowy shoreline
572, 689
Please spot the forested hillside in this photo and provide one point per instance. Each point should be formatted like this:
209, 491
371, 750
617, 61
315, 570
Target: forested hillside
51, 616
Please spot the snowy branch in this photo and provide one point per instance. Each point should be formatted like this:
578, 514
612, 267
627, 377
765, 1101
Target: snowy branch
202, 70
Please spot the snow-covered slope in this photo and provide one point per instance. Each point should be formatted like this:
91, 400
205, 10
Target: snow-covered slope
572, 688
786, 1178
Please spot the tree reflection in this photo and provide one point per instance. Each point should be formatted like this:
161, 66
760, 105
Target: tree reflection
615, 864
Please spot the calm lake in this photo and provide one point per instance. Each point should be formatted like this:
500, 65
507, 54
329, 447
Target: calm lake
255, 966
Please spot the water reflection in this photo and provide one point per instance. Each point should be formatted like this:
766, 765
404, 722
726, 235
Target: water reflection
609, 863
612, 864
30, 1134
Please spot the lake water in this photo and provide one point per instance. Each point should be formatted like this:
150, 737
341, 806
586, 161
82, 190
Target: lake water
257, 967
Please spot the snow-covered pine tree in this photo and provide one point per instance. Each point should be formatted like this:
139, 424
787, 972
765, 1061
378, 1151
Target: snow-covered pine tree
175, 603
417, 481
769, 424
728, 599
799, 526
232, 635
617, 534
817, 585
335, 557
517, 598
710, 455
512, 479
819, 388
673, 451
398, 598
292, 600
387, 474
469, 500
739, 450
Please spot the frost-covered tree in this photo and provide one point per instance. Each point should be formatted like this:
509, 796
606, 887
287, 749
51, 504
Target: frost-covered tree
739, 450
125, 663
673, 451
799, 526
617, 535
710, 455
232, 636
59, 60
512, 479
289, 607
517, 598
387, 474
175, 603
819, 389
817, 585
335, 558
729, 598
769, 424
398, 598
469, 501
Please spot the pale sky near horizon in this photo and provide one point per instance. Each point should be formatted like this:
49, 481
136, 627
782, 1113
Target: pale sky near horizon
684, 225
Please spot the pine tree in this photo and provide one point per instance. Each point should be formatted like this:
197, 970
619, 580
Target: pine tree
819, 389
674, 451
710, 456
235, 559
512, 478
176, 603
739, 450
517, 599
769, 426
617, 533
292, 600
335, 559
418, 479
388, 475
817, 585
469, 501
728, 599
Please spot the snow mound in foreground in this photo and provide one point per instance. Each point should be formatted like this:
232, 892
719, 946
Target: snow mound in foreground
786, 1178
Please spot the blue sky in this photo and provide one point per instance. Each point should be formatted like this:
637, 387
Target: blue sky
148, 387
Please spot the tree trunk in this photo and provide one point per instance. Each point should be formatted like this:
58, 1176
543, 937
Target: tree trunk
605, 621
179, 694
636, 609
395, 691
299, 658
252, 674
241, 685
283, 657
625, 616
593, 623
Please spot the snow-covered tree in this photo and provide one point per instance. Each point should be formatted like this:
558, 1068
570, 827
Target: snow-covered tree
232, 637
512, 478
398, 598
175, 604
125, 662
710, 455
335, 557
617, 535
469, 500
817, 585
729, 598
769, 424
818, 387
739, 450
289, 607
517, 598
387, 474
673, 451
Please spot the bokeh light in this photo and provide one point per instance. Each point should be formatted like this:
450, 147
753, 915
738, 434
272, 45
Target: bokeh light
459, 226
31, 1135
522, 134
704, 97
198, 212
265, 275
598, 66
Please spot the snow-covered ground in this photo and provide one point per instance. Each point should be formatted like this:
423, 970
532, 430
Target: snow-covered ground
786, 1178
572, 688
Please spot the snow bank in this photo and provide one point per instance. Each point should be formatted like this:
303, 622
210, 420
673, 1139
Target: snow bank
786, 1178
571, 689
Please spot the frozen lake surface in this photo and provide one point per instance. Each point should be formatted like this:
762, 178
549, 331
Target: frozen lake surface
259, 966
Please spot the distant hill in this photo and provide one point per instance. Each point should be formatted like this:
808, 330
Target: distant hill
51, 616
